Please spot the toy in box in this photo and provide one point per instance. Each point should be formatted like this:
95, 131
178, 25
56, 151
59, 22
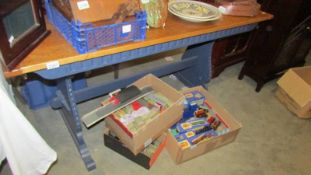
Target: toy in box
200, 122
195, 130
147, 131
220, 128
139, 113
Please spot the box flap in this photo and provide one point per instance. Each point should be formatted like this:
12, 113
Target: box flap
304, 73
296, 83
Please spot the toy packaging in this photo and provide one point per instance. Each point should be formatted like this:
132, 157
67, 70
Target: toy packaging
200, 122
143, 120
204, 126
137, 114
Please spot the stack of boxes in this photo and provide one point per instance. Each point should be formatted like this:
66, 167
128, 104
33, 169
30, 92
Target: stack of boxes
294, 91
192, 117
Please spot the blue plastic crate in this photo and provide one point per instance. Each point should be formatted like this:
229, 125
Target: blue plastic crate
85, 37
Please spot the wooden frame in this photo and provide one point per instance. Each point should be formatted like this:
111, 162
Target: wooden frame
14, 52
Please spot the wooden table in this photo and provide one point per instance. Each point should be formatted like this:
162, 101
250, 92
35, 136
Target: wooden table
63, 62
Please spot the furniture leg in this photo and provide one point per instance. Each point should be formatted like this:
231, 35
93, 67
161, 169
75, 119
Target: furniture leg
71, 118
241, 75
200, 73
116, 68
259, 86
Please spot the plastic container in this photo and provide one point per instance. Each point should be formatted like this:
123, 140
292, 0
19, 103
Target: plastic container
86, 37
156, 12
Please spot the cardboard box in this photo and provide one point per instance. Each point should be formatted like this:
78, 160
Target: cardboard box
294, 91
142, 159
92, 10
159, 124
180, 155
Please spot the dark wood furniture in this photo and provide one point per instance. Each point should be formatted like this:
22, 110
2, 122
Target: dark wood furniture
22, 27
281, 43
229, 51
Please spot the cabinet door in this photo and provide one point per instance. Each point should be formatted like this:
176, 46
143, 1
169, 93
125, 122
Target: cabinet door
21, 27
229, 51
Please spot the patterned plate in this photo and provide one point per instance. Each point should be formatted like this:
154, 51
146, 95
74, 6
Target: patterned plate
193, 9
196, 19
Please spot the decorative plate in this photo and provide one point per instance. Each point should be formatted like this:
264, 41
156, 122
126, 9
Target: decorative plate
196, 19
194, 10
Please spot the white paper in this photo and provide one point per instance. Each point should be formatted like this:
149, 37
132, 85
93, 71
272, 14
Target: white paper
127, 28
144, 1
52, 65
83, 5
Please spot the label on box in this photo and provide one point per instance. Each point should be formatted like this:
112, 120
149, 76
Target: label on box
83, 5
148, 142
127, 28
144, 1
52, 65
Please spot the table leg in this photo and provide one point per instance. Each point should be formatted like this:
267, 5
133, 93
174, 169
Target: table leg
200, 73
116, 68
71, 117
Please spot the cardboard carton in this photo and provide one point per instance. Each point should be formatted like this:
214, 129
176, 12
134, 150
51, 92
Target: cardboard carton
159, 124
142, 158
90, 11
294, 91
180, 155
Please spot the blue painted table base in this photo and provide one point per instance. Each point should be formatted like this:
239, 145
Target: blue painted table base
193, 69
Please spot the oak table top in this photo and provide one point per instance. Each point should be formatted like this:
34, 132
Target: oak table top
56, 48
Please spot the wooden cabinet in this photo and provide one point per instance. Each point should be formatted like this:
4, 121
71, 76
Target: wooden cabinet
280, 43
229, 51
22, 27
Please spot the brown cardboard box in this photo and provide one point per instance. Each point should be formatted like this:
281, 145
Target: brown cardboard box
181, 155
143, 159
159, 124
87, 11
239, 8
294, 91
